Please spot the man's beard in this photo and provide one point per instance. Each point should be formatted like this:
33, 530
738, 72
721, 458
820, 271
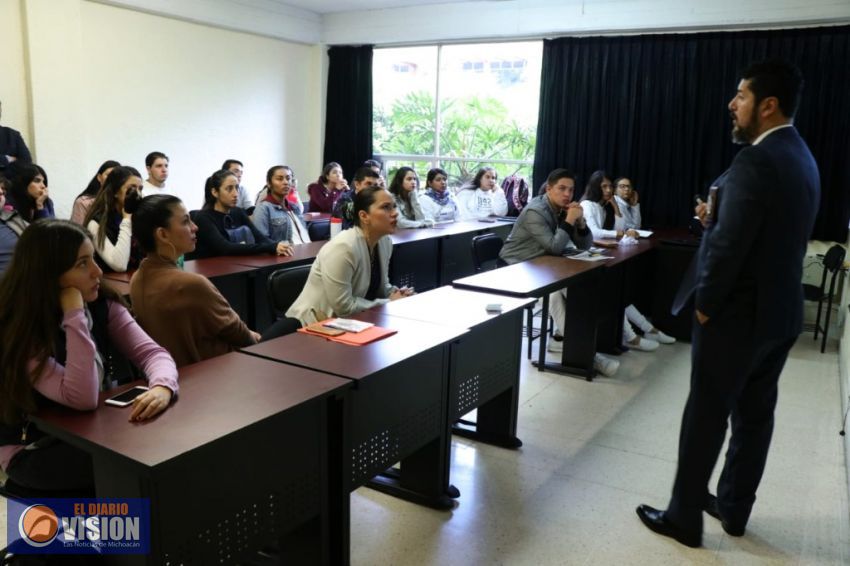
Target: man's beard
745, 134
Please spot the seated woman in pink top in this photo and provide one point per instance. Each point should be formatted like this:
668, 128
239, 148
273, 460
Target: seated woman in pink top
64, 337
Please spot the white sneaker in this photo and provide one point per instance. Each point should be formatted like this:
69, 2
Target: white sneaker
605, 366
555, 346
660, 337
643, 344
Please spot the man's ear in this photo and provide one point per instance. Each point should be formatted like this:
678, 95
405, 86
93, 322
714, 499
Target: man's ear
769, 107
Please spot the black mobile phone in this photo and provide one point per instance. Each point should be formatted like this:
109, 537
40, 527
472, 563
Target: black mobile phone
127, 397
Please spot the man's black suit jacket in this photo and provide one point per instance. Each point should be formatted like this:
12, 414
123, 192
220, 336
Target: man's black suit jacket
750, 261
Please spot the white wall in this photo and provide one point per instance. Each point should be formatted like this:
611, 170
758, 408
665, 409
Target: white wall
538, 18
13, 86
112, 83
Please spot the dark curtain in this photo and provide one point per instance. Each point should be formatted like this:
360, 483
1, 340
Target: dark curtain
654, 108
348, 120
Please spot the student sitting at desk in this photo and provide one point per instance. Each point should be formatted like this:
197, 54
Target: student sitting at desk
29, 194
12, 225
84, 201
109, 221
182, 311
276, 216
482, 197
549, 224
601, 212
326, 191
350, 273
439, 204
627, 201
64, 337
404, 190
224, 228
364, 178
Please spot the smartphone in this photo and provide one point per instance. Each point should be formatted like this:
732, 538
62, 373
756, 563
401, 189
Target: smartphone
321, 329
126, 398
487, 220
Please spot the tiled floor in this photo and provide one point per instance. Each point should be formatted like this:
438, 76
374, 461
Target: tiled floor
593, 451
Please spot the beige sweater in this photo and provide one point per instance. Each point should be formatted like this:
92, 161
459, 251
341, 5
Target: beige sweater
185, 313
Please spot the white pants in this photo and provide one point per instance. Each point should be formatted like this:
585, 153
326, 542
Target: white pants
558, 309
634, 315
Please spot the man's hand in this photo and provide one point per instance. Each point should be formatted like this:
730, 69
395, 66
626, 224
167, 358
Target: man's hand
574, 213
701, 212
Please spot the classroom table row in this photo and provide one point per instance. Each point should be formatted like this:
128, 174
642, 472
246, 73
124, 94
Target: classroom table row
423, 258
597, 294
262, 447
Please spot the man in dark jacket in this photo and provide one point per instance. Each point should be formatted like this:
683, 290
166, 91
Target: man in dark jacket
12, 146
749, 305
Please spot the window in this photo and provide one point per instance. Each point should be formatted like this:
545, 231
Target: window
459, 107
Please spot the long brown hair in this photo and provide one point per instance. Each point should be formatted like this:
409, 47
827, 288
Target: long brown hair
105, 202
30, 312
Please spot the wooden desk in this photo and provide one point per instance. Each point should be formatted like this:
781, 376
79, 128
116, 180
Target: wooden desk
539, 277
397, 409
426, 258
484, 363
628, 279
241, 458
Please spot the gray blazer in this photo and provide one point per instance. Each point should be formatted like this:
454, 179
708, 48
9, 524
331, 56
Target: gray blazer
339, 279
536, 233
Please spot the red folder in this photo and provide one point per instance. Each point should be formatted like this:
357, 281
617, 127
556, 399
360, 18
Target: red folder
352, 338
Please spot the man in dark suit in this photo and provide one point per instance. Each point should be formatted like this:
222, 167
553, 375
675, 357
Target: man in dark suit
12, 147
749, 305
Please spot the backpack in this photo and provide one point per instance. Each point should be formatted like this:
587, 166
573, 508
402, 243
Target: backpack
516, 193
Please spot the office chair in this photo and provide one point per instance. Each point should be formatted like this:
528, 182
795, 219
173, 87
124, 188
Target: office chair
833, 262
283, 287
485, 257
319, 230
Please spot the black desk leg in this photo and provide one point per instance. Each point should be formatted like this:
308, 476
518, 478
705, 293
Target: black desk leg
495, 423
544, 329
415, 480
579, 331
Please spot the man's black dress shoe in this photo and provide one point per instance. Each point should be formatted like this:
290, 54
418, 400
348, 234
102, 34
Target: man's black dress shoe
655, 520
712, 509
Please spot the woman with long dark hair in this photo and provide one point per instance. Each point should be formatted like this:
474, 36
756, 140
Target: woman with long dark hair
439, 203
482, 197
224, 228
85, 199
111, 223
404, 188
326, 191
29, 194
64, 337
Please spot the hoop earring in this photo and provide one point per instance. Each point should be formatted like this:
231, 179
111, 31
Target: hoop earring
169, 259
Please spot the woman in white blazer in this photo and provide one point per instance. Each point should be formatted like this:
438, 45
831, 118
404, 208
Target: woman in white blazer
350, 273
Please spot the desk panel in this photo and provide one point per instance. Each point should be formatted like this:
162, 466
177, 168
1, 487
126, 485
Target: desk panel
216, 489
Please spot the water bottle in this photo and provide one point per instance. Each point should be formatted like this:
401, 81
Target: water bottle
336, 226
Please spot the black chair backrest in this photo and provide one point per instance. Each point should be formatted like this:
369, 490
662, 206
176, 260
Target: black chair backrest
485, 251
834, 258
284, 286
319, 230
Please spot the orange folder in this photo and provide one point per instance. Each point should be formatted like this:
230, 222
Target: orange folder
352, 338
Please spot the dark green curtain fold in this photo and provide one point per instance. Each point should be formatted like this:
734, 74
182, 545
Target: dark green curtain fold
348, 119
654, 108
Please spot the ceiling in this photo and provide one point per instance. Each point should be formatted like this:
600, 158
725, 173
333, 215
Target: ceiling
331, 6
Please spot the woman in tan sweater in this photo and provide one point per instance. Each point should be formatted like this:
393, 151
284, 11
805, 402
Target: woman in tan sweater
183, 312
